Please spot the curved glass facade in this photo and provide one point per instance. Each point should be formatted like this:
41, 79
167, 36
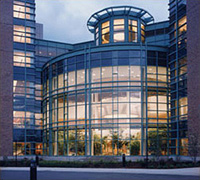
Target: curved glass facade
100, 103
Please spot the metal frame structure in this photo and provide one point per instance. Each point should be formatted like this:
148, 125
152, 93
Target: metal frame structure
118, 11
88, 90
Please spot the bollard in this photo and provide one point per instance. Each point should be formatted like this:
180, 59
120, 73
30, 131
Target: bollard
33, 170
37, 160
146, 160
124, 160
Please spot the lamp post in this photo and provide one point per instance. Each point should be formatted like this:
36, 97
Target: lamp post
16, 153
147, 148
146, 64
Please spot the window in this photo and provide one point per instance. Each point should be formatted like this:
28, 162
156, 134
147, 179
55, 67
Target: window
142, 33
81, 77
71, 78
19, 119
183, 26
182, 21
182, 29
23, 34
22, 12
20, 88
133, 31
118, 35
105, 32
97, 36
22, 58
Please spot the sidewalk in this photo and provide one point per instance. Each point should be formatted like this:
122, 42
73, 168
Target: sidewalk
182, 172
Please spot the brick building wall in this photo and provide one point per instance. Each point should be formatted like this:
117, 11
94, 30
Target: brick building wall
6, 77
193, 49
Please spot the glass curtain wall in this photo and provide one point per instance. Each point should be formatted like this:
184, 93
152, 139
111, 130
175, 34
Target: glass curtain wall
178, 77
101, 110
27, 117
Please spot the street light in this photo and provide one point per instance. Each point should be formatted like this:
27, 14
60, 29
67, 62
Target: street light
16, 153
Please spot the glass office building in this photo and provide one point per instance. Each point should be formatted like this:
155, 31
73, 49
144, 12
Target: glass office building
105, 99
124, 92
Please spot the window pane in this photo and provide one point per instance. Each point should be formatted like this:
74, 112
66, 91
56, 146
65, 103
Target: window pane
81, 77
119, 28
133, 22
118, 21
105, 38
106, 30
182, 21
105, 24
132, 37
119, 36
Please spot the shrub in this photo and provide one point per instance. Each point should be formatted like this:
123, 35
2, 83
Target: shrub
178, 165
165, 166
151, 166
184, 165
162, 162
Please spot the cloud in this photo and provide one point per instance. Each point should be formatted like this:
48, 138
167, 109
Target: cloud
65, 20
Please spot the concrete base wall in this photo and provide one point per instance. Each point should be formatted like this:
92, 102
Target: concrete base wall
96, 158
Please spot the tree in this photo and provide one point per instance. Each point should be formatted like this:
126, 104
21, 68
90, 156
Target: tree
118, 143
97, 144
156, 145
135, 147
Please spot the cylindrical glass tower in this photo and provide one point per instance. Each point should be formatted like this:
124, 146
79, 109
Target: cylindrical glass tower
108, 99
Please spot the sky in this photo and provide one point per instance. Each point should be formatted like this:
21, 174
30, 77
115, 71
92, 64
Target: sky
66, 20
